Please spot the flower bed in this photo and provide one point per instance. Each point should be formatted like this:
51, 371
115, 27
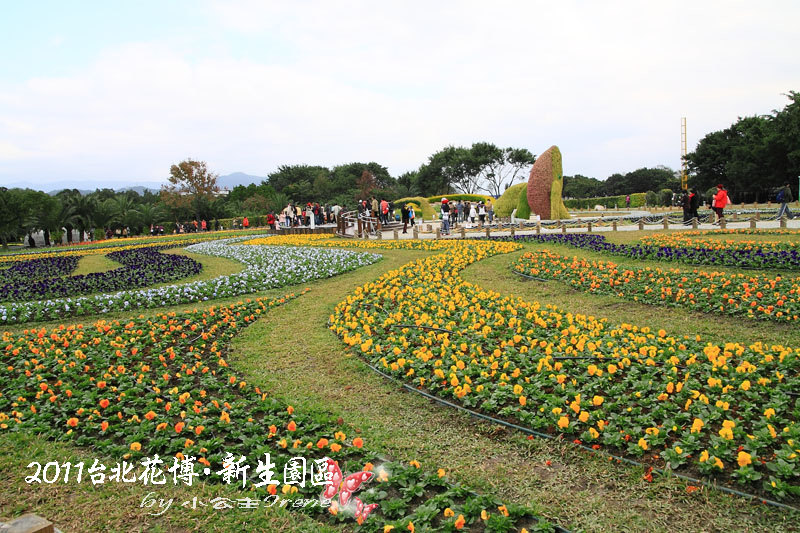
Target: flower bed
40, 268
161, 386
754, 296
142, 267
701, 240
266, 267
103, 248
719, 256
727, 411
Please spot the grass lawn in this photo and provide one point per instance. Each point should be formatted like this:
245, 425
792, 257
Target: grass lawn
291, 353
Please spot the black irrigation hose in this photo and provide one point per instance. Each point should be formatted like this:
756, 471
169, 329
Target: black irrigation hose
513, 270
529, 431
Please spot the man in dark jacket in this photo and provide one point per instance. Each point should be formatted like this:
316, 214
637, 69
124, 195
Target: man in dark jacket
785, 199
694, 204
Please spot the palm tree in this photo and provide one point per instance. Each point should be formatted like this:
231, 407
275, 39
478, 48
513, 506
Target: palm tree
150, 214
52, 215
124, 213
84, 207
103, 214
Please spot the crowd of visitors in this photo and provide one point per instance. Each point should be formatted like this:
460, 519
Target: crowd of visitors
311, 215
471, 213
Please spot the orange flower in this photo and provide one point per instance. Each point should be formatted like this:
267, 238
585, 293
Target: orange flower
292, 426
460, 522
104, 403
336, 447
103, 426
321, 443
149, 415
199, 429
179, 427
744, 459
358, 442
72, 422
290, 410
101, 384
161, 426
135, 446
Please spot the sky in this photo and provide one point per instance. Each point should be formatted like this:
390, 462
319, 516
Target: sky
109, 94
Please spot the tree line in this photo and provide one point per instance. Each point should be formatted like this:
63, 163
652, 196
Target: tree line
752, 157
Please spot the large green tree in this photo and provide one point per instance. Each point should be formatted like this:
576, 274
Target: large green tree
579, 186
481, 167
751, 157
640, 180
16, 210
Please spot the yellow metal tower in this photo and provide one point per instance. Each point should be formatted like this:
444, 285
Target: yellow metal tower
684, 174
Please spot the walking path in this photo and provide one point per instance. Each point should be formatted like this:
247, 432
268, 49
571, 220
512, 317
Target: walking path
597, 227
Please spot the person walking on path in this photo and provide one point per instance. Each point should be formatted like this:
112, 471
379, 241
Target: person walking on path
721, 200
404, 217
694, 204
384, 211
445, 217
785, 198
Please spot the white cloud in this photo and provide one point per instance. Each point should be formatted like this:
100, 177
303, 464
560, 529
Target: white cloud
336, 82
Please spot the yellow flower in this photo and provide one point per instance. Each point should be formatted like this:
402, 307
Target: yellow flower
563, 422
643, 444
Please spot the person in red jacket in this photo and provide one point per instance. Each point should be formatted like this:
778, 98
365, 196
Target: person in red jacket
245, 223
720, 201
271, 220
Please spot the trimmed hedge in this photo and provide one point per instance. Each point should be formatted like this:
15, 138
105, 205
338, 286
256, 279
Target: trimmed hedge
523, 209
508, 202
609, 202
421, 203
464, 197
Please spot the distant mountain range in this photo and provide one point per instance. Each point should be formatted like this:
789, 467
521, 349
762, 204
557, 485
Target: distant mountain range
228, 181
